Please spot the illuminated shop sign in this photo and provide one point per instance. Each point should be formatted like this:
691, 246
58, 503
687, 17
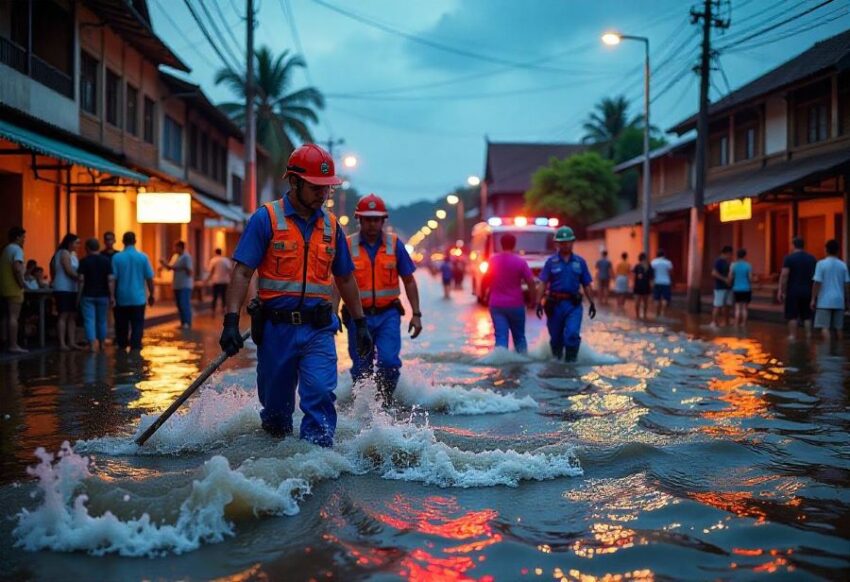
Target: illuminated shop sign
741, 209
164, 207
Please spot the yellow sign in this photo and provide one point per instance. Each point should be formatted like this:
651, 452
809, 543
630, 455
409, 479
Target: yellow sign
741, 209
164, 207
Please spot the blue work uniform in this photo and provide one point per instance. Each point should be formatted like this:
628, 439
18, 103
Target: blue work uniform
565, 275
293, 355
385, 328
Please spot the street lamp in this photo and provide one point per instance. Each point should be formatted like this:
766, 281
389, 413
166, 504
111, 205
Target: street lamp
473, 181
349, 161
612, 39
455, 200
441, 214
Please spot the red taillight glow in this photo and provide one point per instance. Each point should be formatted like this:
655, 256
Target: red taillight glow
483, 267
521, 221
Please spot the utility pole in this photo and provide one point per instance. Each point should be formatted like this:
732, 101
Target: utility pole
341, 201
696, 238
250, 202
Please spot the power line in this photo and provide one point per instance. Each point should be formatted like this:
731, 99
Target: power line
192, 44
841, 12
227, 27
431, 43
776, 25
227, 48
206, 33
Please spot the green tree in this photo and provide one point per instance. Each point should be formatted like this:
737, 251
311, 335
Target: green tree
581, 189
283, 116
607, 123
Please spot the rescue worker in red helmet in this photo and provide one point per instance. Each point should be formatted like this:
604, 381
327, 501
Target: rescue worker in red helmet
299, 252
380, 261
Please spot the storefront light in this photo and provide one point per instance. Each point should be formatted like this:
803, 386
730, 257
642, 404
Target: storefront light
164, 207
740, 209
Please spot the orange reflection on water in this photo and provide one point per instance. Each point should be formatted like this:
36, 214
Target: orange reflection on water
741, 503
578, 576
478, 330
170, 369
438, 516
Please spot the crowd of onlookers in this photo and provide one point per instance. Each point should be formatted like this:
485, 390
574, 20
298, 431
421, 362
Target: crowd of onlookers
87, 290
813, 293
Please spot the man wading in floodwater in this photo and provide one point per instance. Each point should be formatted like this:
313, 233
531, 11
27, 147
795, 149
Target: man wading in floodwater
299, 251
380, 259
565, 274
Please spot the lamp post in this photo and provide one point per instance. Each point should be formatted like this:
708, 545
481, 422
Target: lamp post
457, 201
614, 38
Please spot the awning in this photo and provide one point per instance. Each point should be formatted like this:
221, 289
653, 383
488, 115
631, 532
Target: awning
226, 211
672, 203
56, 149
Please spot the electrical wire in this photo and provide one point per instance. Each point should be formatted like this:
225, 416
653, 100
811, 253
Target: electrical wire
227, 27
223, 43
841, 12
192, 44
206, 34
774, 26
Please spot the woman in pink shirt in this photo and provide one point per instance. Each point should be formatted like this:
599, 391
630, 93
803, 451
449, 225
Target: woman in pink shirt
507, 305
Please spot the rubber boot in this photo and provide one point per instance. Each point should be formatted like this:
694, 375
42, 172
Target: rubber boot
570, 354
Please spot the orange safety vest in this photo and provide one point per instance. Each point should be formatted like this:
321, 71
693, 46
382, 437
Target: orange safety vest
293, 267
378, 280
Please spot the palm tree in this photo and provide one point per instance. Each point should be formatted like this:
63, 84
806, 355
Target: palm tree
607, 123
282, 116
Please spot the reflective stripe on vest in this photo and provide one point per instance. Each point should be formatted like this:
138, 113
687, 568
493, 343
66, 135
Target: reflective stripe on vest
377, 278
293, 266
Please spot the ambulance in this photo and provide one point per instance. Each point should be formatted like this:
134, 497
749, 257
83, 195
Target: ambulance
534, 242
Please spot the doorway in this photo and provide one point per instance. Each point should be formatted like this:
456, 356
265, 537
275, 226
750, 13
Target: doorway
813, 231
780, 243
12, 203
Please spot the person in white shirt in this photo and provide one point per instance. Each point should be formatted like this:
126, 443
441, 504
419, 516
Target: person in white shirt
220, 269
662, 267
830, 292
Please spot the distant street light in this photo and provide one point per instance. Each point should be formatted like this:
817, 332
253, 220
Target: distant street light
433, 224
441, 214
426, 231
473, 181
612, 39
343, 220
349, 161
455, 200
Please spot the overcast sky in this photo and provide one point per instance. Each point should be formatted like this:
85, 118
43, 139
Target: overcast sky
415, 100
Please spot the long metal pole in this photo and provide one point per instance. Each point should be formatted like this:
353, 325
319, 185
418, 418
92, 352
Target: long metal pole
697, 227
647, 179
250, 124
460, 217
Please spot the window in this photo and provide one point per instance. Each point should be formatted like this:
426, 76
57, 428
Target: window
205, 154
844, 103
113, 98
817, 123
172, 140
132, 122
746, 143
193, 146
718, 149
147, 119
236, 189
88, 82
222, 178
215, 160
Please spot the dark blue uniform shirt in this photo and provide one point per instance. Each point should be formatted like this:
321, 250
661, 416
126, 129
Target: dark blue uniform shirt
404, 263
565, 276
258, 235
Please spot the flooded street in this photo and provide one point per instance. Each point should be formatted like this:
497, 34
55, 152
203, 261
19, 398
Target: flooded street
668, 451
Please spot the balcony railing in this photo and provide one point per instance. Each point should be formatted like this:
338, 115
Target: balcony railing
13, 55
52, 77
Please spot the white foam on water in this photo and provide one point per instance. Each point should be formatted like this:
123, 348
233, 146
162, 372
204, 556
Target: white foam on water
411, 453
587, 356
503, 357
415, 390
63, 523
212, 416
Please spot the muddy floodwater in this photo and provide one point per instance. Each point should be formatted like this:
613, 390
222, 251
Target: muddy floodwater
669, 451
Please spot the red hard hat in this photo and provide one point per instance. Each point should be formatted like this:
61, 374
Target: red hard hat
313, 164
371, 205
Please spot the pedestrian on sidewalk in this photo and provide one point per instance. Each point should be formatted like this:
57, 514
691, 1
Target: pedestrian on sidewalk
621, 283
507, 304
722, 293
741, 278
662, 289
564, 276
12, 288
831, 292
603, 276
181, 265
795, 287
133, 272
642, 286
64, 277
97, 291
220, 269
109, 249
380, 263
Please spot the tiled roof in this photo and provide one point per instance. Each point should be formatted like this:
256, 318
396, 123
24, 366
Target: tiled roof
511, 165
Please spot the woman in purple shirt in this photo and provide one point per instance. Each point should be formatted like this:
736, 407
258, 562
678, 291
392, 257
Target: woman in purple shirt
507, 305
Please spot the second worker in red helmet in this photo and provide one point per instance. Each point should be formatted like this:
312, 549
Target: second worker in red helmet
381, 262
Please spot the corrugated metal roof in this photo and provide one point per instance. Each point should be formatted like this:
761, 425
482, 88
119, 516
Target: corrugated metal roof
833, 52
511, 165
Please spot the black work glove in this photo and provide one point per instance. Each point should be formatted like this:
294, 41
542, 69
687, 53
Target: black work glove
231, 338
539, 311
591, 311
364, 338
